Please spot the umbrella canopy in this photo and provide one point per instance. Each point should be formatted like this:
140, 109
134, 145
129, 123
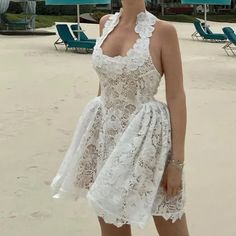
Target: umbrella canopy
206, 2
26, 0
4, 4
29, 7
209, 2
77, 2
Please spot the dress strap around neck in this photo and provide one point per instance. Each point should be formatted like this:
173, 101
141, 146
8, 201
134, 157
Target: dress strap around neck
144, 24
110, 23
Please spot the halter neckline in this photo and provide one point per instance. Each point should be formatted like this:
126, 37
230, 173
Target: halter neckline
139, 53
141, 16
138, 16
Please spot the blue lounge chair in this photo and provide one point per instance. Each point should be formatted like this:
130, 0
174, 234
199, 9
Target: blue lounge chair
207, 29
212, 37
83, 36
229, 32
196, 35
68, 40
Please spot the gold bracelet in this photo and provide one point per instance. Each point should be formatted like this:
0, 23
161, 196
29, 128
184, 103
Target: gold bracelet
176, 163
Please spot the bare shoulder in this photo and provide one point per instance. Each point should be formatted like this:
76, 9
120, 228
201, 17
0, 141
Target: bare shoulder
102, 21
104, 18
165, 31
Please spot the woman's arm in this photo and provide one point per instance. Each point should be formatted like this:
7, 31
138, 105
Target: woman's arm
175, 94
102, 21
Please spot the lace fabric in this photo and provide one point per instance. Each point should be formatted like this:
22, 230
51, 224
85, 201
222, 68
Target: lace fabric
122, 141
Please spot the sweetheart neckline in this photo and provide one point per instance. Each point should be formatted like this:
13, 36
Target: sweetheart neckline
126, 56
117, 20
120, 56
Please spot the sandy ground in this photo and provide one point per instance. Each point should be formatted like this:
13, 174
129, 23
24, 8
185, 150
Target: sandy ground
42, 94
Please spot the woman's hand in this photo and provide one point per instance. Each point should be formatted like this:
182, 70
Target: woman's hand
172, 180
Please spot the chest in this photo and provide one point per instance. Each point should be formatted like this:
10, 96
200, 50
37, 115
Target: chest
112, 46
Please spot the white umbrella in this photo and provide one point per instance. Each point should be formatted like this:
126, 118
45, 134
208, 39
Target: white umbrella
4, 4
26, 0
29, 7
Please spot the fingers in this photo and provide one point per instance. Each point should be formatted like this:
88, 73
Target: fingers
173, 190
173, 187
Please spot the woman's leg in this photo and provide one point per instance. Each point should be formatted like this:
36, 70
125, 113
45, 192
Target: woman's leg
167, 228
112, 230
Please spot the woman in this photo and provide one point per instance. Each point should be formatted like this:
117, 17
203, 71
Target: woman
127, 152
166, 58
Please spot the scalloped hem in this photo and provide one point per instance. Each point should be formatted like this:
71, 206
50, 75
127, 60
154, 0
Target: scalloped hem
106, 216
84, 193
171, 216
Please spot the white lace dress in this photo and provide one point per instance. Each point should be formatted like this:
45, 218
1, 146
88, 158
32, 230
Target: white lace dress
122, 140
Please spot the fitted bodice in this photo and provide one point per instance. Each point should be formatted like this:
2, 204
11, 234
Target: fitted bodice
132, 79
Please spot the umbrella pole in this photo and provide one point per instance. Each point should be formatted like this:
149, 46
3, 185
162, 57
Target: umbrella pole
25, 5
205, 15
78, 21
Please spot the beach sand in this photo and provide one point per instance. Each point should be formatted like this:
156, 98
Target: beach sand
42, 94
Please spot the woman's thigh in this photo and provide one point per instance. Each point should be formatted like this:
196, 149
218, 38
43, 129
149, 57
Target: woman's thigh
112, 230
167, 228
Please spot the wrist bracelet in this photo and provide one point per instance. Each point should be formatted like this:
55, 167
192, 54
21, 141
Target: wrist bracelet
177, 163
